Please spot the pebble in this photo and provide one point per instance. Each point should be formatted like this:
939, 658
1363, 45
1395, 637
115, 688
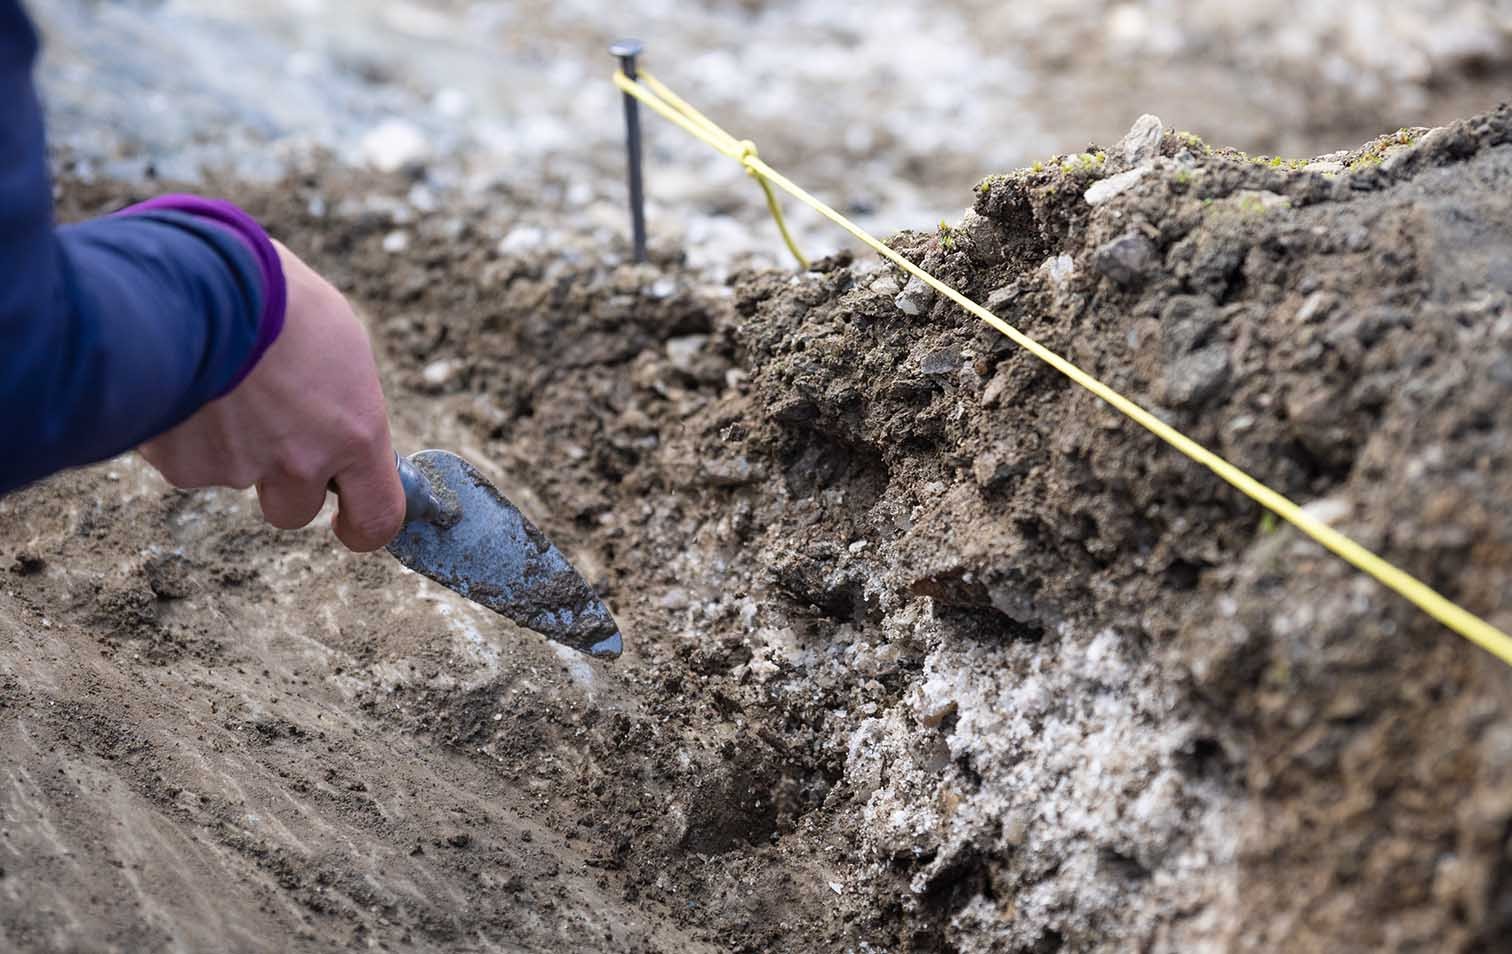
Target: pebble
1104, 190
1315, 305
662, 289
438, 373
943, 361
396, 241
1127, 259
1328, 510
915, 299
981, 238
524, 238
729, 472
1194, 378
1142, 142
683, 351
1059, 269
1001, 297
423, 199
394, 144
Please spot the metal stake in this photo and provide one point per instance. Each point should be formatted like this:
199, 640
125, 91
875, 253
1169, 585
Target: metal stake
627, 50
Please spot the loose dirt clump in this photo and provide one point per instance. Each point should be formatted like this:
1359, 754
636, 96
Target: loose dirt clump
927, 650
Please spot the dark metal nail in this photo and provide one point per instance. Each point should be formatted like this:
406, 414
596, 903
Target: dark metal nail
627, 51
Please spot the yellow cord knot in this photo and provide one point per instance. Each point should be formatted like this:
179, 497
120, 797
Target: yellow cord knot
747, 153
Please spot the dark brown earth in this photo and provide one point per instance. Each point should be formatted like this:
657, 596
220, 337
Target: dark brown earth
926, 650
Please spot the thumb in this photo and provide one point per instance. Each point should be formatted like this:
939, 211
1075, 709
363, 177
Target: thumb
370, 508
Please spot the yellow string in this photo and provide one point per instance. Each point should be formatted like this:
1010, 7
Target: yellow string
1455, 617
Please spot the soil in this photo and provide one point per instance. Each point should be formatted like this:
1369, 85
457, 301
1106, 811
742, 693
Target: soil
926, 650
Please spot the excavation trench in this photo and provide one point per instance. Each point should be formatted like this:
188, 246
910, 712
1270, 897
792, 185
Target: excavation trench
925, 647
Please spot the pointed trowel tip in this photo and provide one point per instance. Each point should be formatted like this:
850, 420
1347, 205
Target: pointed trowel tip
609, 648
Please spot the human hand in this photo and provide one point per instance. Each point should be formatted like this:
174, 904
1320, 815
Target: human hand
311, 413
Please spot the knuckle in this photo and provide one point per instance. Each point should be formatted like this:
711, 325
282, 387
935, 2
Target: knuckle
302, 468
371, 431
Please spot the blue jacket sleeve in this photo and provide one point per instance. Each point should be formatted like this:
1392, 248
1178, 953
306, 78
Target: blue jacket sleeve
111, 331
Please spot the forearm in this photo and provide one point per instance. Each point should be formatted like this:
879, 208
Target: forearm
114, 330
144, 320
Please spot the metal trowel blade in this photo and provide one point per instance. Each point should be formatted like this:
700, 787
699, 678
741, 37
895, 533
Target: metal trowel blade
487, 551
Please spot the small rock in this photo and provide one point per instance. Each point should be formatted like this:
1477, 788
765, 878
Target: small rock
662, 289
396, 242
1328, 510
981, 238
729, 472
1105, 189
1325, 166
423, 199
684, 350
525, 238
439, 373
915, 299
885, 284
944, 361
1194, 378
1127, 259
1142, 142
459, 840
1316, 305
674, 599
1001, 297
394, 144
1186, 323
1059, 269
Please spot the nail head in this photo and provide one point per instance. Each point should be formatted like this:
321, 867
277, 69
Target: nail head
627, 47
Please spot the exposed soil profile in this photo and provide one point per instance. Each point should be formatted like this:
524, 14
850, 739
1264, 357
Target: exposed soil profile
926, 649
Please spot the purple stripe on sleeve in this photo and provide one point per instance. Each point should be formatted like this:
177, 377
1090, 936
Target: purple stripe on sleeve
245, 228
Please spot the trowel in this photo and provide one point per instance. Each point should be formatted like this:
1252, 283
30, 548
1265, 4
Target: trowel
460, 531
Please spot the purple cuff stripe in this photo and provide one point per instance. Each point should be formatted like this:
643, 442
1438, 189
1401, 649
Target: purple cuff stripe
246, 229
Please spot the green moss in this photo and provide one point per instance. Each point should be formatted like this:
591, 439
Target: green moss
1037, 167
1194, 143
947, 236
1084, 162
1366, 161
1184, 176
1269, 523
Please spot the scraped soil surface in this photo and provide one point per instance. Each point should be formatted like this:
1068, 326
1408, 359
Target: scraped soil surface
927, 649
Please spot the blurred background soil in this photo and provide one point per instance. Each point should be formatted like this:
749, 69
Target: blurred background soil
890, 109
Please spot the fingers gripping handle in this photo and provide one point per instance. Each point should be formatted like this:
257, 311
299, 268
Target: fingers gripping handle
420, 501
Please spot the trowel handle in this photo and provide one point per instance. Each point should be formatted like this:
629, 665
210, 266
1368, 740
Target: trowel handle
420, 501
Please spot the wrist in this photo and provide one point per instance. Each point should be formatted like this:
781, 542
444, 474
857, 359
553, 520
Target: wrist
251, 235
